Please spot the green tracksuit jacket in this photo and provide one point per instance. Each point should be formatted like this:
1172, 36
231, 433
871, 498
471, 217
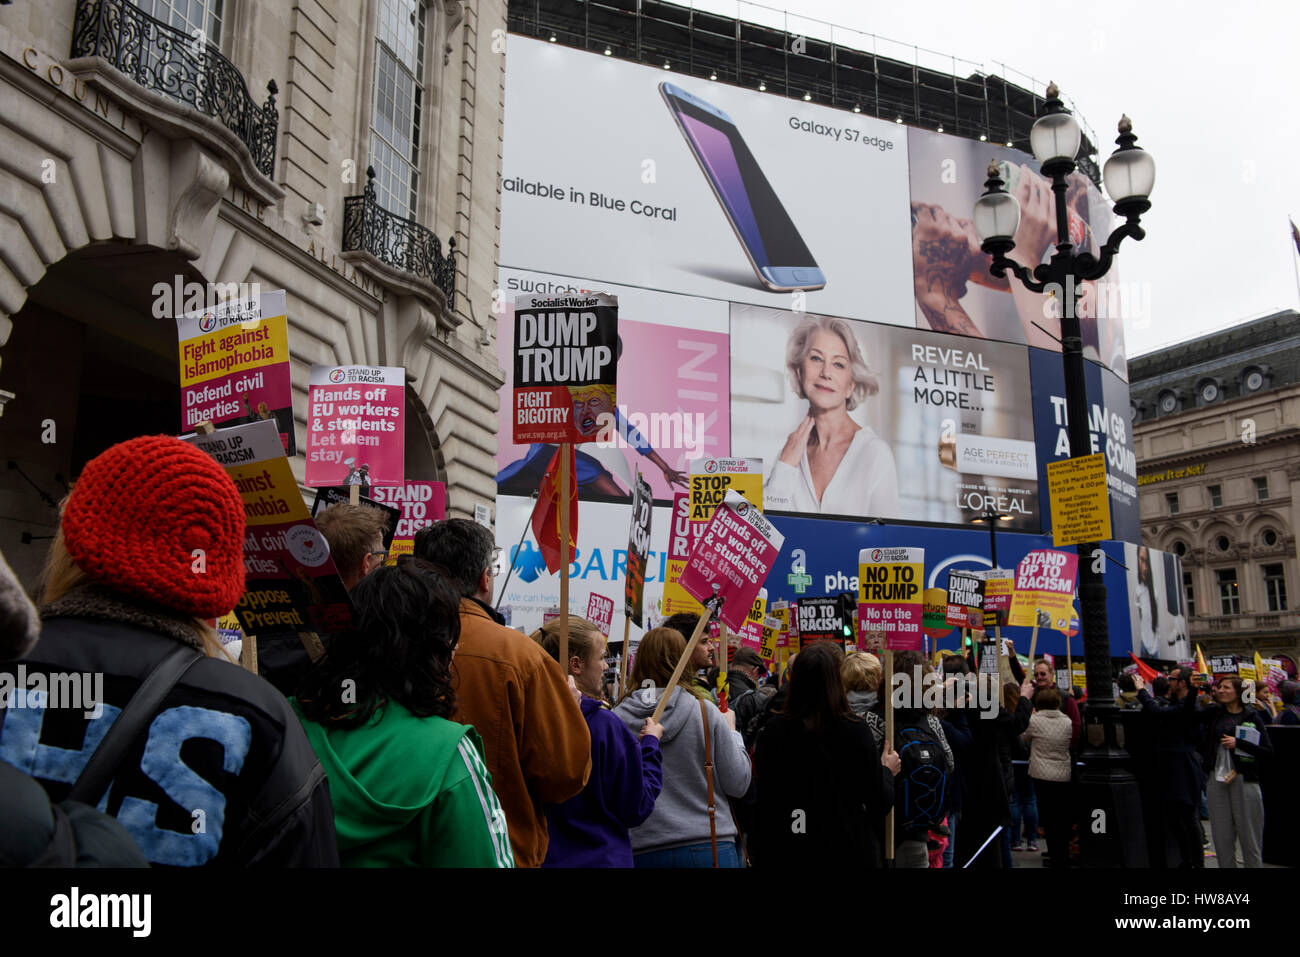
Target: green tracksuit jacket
410, 792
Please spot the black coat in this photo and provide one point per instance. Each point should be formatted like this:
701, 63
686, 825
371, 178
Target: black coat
1176, 734
822, 796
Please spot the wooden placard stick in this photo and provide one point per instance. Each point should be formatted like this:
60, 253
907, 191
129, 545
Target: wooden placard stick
888, 689
315, 647
354, 494
681, 664
248, 653
1033, 640
722, 660
564, 557
205, 427
1069, 667
622, 659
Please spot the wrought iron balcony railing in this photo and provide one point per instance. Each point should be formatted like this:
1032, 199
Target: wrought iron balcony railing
181, 67
397, 241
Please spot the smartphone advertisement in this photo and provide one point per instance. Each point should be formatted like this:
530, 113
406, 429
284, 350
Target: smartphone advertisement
710, 189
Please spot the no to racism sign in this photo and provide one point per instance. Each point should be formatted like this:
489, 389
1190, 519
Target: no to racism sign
732, 559
566, 363
355, 433
890, 583
1045, 580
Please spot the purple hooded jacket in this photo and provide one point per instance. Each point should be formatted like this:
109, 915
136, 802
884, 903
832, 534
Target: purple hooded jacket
591, 829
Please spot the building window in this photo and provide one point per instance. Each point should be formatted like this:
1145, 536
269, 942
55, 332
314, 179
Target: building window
395, 118
1269, 537
1216, 496
1261, 489
1189, 593
1180, 549
1222, 543
1171, 499
1229, 596
187, 16
1275, 587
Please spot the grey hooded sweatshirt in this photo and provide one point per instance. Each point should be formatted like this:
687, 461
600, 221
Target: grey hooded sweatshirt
681, 814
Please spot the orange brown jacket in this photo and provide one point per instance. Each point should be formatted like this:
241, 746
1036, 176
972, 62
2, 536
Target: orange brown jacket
537, 744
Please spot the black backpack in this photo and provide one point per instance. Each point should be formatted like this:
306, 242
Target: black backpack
921, 788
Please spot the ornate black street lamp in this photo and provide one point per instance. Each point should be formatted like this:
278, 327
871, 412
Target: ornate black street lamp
1111, 833
991, 517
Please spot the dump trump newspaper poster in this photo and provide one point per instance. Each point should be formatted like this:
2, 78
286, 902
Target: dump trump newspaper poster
638, 547
732, 559
965, 599
890, 600
235, 365
355, 432
600, 612
420, 504
1044, 580
565, 367
292, 585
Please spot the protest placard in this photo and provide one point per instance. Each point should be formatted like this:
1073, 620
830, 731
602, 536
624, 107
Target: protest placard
291, 584
934, 613
965, 598
890, 582
600, 612
682, 540
1080, 500
355, 432
999, 583
733, 558
1221, 665
565, 367
711, 479
340, 495
821, 618
419, 505
234, 362
751, 635
638, 548
1044, 581
767, 648
781, 611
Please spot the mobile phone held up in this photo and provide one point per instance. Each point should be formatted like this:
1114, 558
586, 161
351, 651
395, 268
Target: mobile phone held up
771, 242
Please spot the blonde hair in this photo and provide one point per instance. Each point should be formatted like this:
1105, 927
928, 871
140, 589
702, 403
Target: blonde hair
584, 636
796, 351
861, 671
63, 575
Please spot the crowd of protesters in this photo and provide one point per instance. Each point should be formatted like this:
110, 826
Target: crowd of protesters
431, 734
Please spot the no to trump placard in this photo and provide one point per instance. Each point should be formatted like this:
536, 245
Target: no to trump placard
354, 430
566, 364
1080, 500
235, 365
732, 559
751, 636
1045, 580
890, 582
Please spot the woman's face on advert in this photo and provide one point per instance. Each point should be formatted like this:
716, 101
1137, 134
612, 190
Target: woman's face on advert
827, 375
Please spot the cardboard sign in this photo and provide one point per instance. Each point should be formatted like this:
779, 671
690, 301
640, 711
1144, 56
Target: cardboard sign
291, 584
419, 505
1044, 580
1080, 500
355, 432
934, 613
600, 612
780, 610
339, 495
767, 647
821, 618
711, 479
638, 548
682, 541
890, 583
999, 583
1221, 665
965, 599
235, 365
566, 365
751, 636
733, 558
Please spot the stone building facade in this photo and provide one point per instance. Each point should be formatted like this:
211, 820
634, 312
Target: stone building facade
217, 141
1217, 427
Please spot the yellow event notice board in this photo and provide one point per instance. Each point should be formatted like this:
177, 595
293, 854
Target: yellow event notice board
1080, 500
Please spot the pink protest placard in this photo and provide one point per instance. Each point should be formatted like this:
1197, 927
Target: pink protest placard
1045, 583
890, 583
600, 612
422, 504
732, 559
355, 433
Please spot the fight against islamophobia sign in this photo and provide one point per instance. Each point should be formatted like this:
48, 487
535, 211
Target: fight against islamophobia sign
355, 433
234, 361
732, 559
565, 366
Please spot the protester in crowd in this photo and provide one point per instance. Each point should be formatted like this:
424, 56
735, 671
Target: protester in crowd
124, 595
1236, 740
515, 695
822, 798
775, 702
704, 763
701, 659
862, 674
1021, 806
1289, 693
924, 788
1160, 686
591, 829
1045, 679
408, 785
1050, 763
746, 697
1128, 693
36, 833
1177, 764
356, 538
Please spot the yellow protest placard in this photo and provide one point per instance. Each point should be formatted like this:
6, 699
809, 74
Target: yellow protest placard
1079, 499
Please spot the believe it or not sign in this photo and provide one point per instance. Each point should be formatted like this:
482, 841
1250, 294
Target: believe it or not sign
235, 365
1080, 500
566, 363
890, 582
1044, 581
965, 598
355, 432
751, 636
600, 612
821, 618
711, 479
1167, 475
733, 558
421, 504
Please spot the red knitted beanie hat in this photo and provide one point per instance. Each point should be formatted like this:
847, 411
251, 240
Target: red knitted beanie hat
139, 512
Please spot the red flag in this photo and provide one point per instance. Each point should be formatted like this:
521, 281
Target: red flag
1145, 670
546, 516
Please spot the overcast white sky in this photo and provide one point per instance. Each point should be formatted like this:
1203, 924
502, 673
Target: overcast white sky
1212, 91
